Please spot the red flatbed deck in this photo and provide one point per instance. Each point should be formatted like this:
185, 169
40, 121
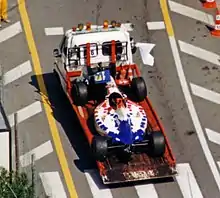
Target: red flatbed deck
141, 166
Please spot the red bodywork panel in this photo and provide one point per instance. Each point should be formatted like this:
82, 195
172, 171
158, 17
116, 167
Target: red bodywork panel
141, 166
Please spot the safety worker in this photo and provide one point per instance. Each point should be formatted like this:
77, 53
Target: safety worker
4, 11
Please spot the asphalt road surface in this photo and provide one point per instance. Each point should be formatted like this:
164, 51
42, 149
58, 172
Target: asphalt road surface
182, 85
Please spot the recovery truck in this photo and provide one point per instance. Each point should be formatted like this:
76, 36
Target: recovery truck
94, 65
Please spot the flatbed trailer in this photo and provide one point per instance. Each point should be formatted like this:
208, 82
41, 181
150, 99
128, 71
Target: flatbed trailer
141, 166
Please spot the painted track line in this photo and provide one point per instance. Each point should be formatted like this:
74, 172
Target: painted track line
25, 113
53, 185
10, 31
187, 182
205, 93
213, 136
199, 53
49, 112
39, 152
4, 145
158, 25
146, 190
218, 164
97, 188
17, 72
186, 92
191, 13
53, 31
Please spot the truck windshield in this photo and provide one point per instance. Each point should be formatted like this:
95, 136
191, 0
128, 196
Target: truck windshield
106, 48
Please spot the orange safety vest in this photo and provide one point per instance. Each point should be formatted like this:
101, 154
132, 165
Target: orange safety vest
4, 9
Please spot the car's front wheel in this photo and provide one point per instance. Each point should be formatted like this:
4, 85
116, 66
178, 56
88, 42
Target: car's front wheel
79, 93
99, 147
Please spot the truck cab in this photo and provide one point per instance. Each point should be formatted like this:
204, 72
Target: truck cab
73, 47
87, 48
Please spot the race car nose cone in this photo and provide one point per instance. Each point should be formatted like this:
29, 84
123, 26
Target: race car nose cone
125, 134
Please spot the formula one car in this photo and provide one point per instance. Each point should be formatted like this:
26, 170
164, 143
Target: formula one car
95, 68
122, 125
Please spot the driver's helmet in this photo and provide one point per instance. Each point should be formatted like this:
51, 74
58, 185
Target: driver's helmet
117, 101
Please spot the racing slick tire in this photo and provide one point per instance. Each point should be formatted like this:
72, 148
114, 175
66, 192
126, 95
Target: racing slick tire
99, 147
157, 144
139, 88
79, 93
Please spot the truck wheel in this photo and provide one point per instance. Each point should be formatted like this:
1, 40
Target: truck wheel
99, 147
157, 144
79, 93
139, 88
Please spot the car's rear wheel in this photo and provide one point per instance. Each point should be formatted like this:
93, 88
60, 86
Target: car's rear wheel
139, 88
99, 147
79, 93
157, 144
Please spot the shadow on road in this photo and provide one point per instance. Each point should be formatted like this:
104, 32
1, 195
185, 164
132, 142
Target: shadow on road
65, 115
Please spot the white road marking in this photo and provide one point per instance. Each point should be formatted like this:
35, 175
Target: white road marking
17, 72
191, 13
213, 136
205, 93
26, 113
97, 188
218, 164
146, 190
4, 147
39, 152
53, 185
192, 111
10, 31
54, 31
199, 53
158, 25
187, 182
